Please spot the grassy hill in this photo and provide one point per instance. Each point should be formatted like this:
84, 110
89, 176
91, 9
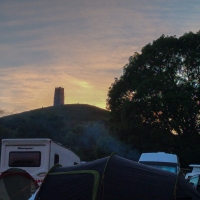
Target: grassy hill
71, 112
80, 127
70, 115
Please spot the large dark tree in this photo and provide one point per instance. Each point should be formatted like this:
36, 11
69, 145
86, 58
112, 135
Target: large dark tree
158, 95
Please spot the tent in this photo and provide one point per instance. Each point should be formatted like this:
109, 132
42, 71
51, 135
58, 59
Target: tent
16, 184
114, 178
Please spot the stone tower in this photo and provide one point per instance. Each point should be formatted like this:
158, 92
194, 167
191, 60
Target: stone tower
59, 96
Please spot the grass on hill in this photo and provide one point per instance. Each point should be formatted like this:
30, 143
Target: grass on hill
70, 112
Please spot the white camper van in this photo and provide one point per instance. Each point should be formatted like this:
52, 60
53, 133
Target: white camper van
36, 156
161, 160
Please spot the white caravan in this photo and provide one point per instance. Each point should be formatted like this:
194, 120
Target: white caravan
36, 156
161, 160
195, 170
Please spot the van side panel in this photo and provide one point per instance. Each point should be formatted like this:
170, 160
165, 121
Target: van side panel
62, 155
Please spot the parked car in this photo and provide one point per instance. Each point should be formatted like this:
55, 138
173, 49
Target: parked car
161, 160
195, 170
195, 181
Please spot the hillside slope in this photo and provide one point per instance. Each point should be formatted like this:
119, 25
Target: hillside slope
77, 126
70, 112
80, 127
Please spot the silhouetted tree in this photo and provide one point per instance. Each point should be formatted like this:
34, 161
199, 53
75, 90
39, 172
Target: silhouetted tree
159, 92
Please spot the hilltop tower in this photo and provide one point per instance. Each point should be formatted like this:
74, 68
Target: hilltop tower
59, 96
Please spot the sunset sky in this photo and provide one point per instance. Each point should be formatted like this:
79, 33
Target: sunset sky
80, 45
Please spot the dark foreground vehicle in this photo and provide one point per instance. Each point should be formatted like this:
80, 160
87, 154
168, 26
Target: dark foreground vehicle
114, 178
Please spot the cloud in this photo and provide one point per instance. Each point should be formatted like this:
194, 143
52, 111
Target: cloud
85, 30
31, 89
2, 113
5, 113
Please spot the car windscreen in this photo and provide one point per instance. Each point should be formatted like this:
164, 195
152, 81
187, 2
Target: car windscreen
167, 168
25, 159
172, 167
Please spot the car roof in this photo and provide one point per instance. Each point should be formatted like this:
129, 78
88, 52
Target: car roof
159, 157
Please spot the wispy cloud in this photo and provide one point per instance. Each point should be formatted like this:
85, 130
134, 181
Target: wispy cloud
30, 89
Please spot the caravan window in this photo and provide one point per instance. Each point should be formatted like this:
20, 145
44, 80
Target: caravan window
25, 159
